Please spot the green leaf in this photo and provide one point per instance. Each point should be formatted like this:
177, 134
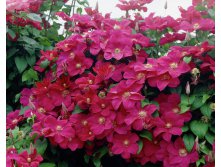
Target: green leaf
199, 128
97, 162
184, 108
210, 138
11, 33
34, 16
29, 75
204, 148
8, 108
200, 161
28, 40
188, 141
79, 10
46, 164
187, 59
140, 144
86, 158
23, 109
145, 102
206, 110
21, 63
197, 103
31, 59
77, 110
17, 97
11, 52
205, 97
62, 164
146, 134
212, 13
41, 145
185, 128
45, 63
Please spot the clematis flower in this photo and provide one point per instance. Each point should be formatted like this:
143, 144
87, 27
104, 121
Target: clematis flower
118, 46
163, 80
25, 159
12, 119
173, 65
141, 118
126, 145
11, 154
124, 94
168, 125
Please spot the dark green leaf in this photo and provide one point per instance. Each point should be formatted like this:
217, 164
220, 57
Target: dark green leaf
199, 128
17, 97
145, 102
41, 146
188, 141
184, 108
11, 52
206, 110
28, 40
210, 138
21, 63
31, 59
47, 165
23, 109
146, 134
185, 128
140, 144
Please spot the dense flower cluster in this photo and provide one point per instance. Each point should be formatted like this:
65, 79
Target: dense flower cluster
98, 80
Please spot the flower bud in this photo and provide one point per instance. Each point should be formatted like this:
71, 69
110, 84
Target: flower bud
188, 88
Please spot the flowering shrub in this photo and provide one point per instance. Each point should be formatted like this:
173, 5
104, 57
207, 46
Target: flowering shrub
136, 91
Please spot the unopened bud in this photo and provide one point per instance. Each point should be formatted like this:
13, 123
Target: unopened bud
188, 88
212, 106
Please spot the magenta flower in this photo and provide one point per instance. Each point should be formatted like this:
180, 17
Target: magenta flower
141, 118
12, 119
126, 145
124, 94
179, 156
168, 125
173, 65
25, 159
11, 154
118, 46
163, 80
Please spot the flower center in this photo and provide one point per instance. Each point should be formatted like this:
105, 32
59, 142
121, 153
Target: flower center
140, 76
72, 55
101, 120
65, 92
70, 139
90, 81
78, 65
88, 100
173, 65
165, 77
126, 95
58, 128
41, 110
196, 26
168, 125
126, 142
182, 152
64, 84
148, 65
176, 110
184, 53
15, 121
142, 114
84, 122
103, 105
90, 133
66, 45
29, 159
117, 50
